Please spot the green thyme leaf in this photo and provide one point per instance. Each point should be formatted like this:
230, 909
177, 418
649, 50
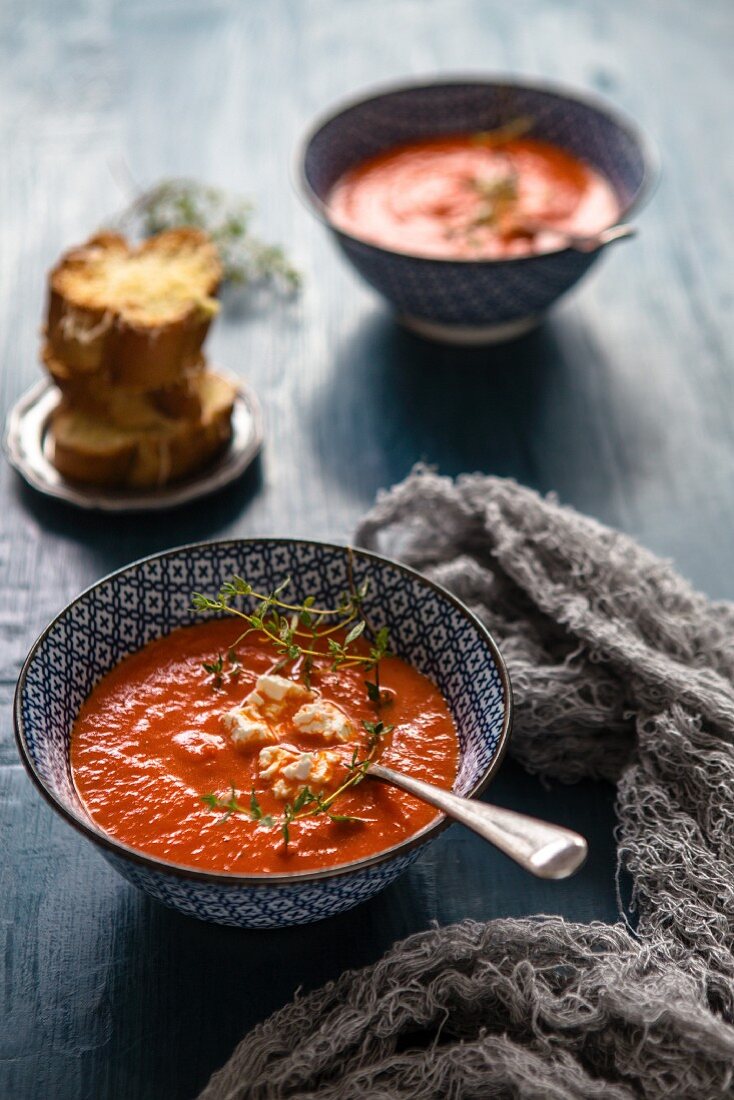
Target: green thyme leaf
373, 692
214, 667
204, 603
304, 798
255, 810
354, 633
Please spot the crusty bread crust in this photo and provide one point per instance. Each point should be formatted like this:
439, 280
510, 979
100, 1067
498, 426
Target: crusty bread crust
104, 314
88, 449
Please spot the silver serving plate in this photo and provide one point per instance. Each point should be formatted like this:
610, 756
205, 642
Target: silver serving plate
27, 446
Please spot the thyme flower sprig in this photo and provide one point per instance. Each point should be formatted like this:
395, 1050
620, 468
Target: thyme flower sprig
246, 260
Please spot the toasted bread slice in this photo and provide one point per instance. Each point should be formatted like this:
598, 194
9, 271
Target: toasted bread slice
192, 445
90, 450
161, 450
140, 314
94, 393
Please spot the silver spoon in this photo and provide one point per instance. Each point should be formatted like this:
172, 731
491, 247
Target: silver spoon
548, 851
598, 240
587, 243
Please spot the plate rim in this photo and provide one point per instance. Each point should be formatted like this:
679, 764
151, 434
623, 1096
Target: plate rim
93, 499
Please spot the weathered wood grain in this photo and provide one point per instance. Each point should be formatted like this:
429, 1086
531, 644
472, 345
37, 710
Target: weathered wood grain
622, 404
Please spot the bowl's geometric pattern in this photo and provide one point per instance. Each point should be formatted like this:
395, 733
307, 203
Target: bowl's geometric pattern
475, 292
261, 906
150, 598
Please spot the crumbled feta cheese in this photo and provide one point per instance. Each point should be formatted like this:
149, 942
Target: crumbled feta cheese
300, 768
322, 768
291, 770
277, 689
252, 722
324, 720
246, 727
273, 757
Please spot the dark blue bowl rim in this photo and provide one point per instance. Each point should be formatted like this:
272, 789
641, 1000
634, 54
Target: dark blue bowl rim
648, 150
232, 878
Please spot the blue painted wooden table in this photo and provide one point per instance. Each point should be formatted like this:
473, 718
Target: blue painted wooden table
621, 403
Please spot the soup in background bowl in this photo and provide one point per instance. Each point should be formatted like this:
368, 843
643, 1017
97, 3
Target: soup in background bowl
484, 196
470, 299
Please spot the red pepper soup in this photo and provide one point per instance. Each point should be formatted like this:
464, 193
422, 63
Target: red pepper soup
473, 196
203, 759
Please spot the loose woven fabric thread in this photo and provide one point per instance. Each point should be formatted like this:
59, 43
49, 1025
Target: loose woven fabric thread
619, 670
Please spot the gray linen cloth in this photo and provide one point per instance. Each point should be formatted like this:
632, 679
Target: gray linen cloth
620, 670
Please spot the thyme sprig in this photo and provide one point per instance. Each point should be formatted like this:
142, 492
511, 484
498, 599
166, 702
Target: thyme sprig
498, 199
498, 194
508, 131
308, 803
215, 669
296, 630
232, 806
300, 633
246, 260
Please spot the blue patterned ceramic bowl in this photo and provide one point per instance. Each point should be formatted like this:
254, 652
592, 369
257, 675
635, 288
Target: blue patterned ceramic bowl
472, 301
120, 614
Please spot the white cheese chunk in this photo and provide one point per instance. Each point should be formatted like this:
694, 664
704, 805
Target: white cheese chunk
290, 770
322, 769
325, 721
253, 723
277, 689
247, 727
272, 758
300, 768
281, 789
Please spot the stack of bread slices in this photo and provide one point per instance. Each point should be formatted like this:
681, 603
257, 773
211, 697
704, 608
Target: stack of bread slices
125, 328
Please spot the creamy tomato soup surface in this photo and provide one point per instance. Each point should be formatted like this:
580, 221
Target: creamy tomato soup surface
466, 197
161, 739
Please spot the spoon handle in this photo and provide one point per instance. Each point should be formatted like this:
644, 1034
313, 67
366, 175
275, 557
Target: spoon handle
586, 243
548, 851
599, 240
